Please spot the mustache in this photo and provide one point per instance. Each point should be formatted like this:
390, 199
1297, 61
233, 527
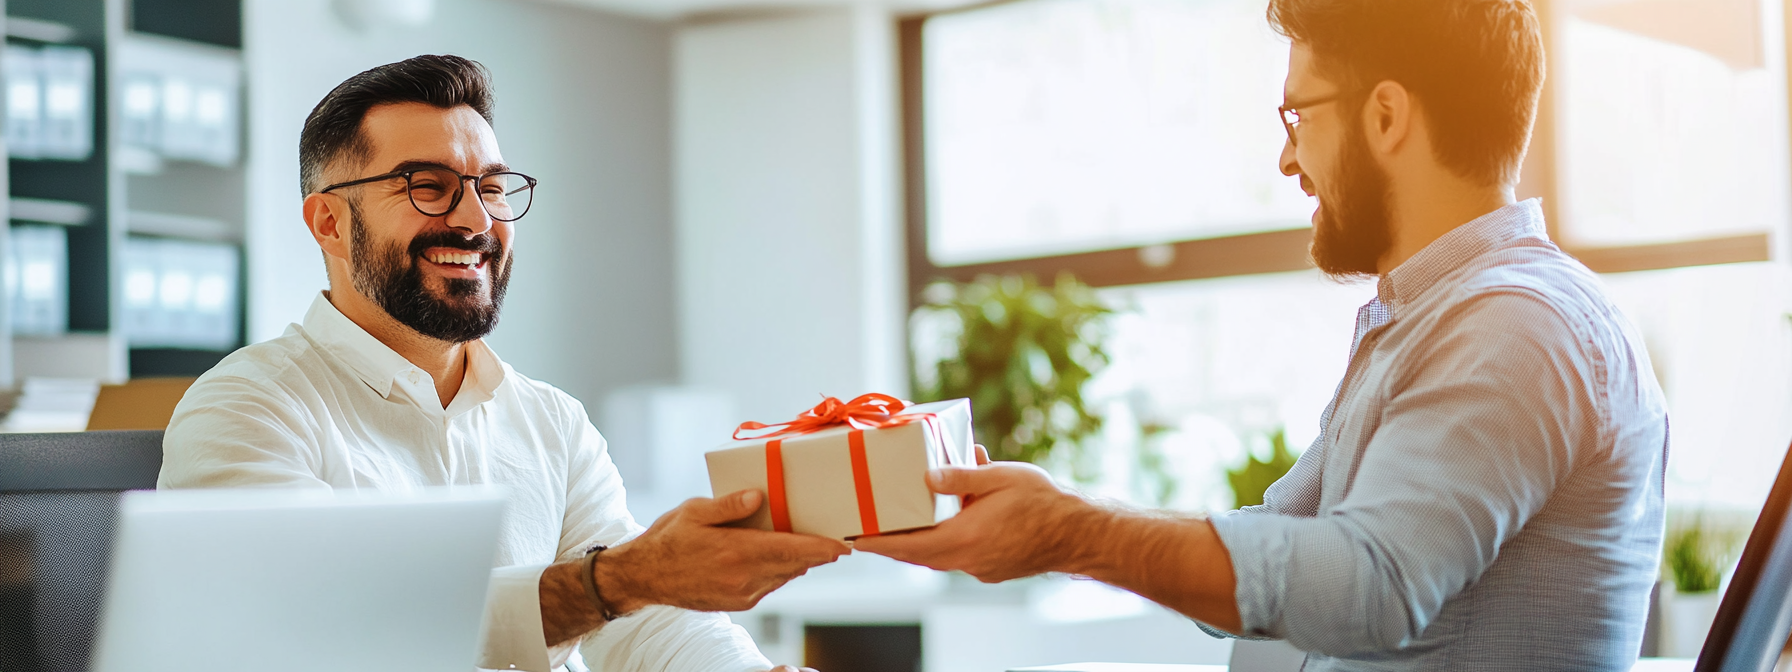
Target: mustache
485, 244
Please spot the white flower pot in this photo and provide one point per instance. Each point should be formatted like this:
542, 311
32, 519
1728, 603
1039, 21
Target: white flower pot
1685, 619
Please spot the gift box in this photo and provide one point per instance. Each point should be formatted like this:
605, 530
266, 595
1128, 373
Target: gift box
848, 469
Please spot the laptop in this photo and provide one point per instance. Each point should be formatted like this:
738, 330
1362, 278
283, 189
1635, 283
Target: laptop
293, 580
1755, 618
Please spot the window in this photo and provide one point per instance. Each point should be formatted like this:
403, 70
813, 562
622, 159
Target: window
1125, 140
1665, 127
1060, 126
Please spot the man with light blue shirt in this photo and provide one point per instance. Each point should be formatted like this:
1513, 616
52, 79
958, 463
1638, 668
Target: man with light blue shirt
1486, 489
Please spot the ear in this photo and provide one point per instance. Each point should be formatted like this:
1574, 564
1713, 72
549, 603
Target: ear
1389, 116
328, 218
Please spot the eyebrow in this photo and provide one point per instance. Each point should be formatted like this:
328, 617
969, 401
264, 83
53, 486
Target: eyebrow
418, 163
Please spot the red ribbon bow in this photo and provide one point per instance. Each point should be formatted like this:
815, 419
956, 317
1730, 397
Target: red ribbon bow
867, 411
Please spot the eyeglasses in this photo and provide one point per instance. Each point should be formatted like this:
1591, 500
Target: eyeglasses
505, 196
1291, 112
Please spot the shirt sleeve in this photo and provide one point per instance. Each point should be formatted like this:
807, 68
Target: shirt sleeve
656, 638
229, 432
1470, 446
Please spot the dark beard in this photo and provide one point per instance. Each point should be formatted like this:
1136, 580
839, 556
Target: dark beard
393, 279
1351, 233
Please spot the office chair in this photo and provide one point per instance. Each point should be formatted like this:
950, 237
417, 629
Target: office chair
58, 503
1755, 618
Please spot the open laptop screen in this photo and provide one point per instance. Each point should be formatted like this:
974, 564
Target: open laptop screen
1755, 618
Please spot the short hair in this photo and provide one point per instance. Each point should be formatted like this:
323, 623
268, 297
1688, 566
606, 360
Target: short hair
333, 130
1477, 67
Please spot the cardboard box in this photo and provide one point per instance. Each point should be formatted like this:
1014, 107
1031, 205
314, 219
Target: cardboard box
816, 483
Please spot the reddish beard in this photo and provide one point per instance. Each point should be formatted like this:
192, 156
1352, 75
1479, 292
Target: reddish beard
1351, 232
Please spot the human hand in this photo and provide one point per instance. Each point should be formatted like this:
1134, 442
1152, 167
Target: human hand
1016, 522
687, 559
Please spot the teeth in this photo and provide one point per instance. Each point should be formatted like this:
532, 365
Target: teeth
462, 258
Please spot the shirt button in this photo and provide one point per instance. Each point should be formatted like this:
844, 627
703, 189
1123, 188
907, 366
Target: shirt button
413, 376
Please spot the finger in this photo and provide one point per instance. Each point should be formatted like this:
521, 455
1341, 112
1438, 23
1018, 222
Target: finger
800, 549
921, 547
982, 455
964, 480
726, 509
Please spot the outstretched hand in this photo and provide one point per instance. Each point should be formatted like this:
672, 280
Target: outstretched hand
689, 559
1016, 522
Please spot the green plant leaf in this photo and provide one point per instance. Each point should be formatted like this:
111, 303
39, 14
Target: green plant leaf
1022, 356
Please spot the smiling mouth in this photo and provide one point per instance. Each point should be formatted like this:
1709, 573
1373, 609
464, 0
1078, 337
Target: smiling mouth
460, 259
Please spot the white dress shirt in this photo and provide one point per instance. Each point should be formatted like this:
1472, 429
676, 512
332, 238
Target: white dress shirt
327, 405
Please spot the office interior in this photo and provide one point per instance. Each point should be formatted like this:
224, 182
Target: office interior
745, 205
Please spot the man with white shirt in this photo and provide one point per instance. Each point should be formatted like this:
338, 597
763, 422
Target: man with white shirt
387, 385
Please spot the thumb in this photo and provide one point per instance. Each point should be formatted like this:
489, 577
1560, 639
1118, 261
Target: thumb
963, 480
725, 509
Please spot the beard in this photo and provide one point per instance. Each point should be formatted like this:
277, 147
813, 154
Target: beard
393, 278
1351, 232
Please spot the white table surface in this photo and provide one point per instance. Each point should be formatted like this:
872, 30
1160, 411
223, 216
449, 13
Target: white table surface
1644, 665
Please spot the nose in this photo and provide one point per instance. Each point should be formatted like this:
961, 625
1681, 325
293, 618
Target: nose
1289, 164
469, 215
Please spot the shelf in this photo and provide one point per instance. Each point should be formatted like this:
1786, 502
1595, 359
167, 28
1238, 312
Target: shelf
39, 30
180, 226
48, 211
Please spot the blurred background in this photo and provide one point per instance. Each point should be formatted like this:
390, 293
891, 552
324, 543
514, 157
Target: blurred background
1067, 210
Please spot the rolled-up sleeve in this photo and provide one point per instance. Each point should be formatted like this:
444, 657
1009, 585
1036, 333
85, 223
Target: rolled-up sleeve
1472, 442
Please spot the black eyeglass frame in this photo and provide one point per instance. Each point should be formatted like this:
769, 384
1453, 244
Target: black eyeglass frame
460, 189
1294, 108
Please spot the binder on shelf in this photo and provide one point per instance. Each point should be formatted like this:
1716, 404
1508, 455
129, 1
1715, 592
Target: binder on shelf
67, 102
24, 102
180, 293
49, 106
181, 100
37, 280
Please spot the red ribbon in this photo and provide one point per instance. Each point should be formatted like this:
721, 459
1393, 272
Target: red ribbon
774, 485
869, 411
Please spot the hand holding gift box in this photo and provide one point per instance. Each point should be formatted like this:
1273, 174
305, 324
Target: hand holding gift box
848, 469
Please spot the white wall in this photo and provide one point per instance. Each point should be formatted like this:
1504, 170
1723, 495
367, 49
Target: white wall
788, 246
582, 104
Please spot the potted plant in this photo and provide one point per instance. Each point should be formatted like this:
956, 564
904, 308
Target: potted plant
1696, 555
1021, 352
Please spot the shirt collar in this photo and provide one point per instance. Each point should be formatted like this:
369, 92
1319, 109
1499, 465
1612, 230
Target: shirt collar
380, 366
1449, 252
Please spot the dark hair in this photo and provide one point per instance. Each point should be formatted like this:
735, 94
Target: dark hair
1475, 65
333, 130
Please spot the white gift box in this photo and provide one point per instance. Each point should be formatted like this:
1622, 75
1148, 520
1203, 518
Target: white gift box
842, 482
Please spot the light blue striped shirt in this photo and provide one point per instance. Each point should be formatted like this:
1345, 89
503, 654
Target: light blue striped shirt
1486, 489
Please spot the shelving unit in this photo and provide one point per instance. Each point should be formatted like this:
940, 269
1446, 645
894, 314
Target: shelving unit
124, 191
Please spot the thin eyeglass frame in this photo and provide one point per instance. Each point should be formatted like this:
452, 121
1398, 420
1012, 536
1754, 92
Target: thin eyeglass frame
460, 189
1296, 108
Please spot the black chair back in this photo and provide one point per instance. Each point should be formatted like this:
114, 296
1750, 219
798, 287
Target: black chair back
1755, 617
58, 506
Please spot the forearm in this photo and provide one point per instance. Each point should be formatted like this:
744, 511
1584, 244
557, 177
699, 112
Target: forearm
1175, 561
566, 611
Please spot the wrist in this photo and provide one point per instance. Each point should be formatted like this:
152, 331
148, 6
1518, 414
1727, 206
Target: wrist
1088, 542
615, 582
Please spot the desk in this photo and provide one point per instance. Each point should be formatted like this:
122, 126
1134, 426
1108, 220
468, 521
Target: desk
1644, 665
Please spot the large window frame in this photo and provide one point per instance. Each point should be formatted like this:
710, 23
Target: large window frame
1266, 252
